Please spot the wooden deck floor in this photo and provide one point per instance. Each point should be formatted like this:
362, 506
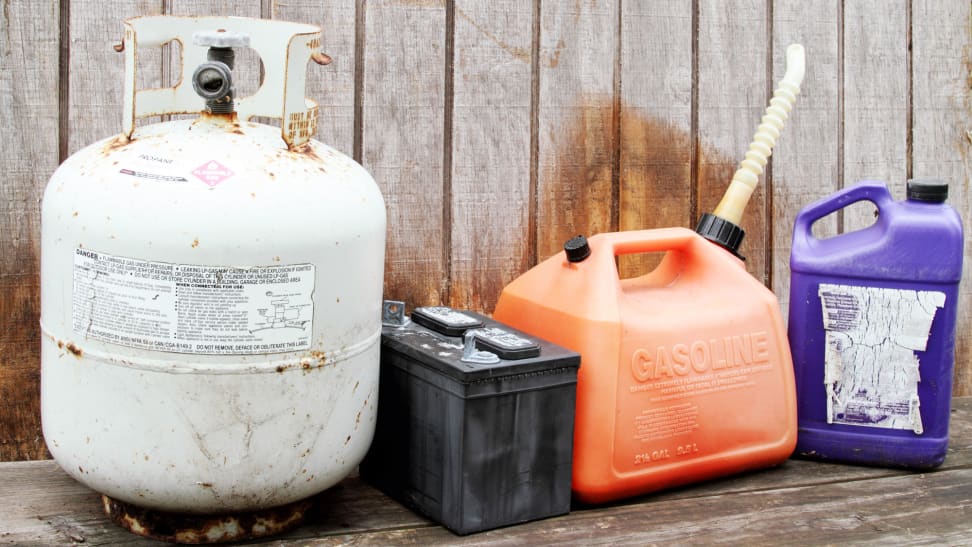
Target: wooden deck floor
800, 502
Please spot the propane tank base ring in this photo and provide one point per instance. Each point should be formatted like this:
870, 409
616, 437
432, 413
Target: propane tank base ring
200, 529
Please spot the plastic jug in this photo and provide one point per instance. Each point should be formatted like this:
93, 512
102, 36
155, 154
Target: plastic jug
685, 372
872, 328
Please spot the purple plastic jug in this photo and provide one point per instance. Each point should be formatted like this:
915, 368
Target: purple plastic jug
872, 328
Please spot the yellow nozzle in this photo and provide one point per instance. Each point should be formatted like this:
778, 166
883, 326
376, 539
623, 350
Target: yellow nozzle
747, 176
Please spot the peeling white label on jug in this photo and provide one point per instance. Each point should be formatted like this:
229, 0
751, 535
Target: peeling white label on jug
191, 308
871, 370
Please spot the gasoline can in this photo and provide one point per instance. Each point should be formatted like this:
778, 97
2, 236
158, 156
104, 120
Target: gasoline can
211, 295
475, 425
685, 371
872, 327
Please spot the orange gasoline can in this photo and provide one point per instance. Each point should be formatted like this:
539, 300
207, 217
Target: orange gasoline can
685, 371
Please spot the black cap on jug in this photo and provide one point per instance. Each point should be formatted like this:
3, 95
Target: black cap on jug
577, 249
928, 190
721, 232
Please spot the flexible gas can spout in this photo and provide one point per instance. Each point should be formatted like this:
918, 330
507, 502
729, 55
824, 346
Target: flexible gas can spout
722, 225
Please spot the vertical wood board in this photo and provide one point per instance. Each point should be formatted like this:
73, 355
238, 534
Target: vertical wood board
942, 44
490, 175
805, 161
875, 99
403, 141
732, 88
29, 46
656, 144
576, 122
96, 71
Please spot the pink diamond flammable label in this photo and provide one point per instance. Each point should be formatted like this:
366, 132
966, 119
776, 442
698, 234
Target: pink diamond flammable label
212, 172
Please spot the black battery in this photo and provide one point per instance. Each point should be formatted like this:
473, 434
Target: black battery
470, 439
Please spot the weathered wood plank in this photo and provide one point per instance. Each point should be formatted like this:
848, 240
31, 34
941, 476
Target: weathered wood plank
656, 145
804, 164
875, 68
46, 503
403, 140
733, 89
332, 86
882, 511
490, 189
42, 504
941, 114
577, 124
29, 140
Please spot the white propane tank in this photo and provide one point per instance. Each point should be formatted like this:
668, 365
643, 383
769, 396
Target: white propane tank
211, 294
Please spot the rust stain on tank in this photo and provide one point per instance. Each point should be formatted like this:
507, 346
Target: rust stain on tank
319, 356
226, 117
117, 143
75, 350
313, 359
195, 243
189, 528
308, 151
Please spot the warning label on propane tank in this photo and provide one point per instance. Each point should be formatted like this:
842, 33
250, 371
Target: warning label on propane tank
188, 308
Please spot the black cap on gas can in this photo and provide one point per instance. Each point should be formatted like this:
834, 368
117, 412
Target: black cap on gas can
577, 249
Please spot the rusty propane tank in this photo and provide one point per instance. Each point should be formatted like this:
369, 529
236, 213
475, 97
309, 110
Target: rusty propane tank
211, 295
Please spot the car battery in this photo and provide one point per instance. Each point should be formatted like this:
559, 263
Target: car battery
475, 420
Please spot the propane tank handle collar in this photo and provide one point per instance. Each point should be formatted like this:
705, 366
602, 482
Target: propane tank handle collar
285, 49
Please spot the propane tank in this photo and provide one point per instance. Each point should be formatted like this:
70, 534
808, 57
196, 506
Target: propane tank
211, 295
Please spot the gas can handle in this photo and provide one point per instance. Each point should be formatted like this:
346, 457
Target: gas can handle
648, 241
284, 47
868, 190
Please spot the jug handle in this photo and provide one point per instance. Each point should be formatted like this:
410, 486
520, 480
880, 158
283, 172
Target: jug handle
285, 49
648, 241
868, 190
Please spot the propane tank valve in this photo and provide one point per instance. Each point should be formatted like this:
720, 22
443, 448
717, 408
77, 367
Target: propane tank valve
213, 80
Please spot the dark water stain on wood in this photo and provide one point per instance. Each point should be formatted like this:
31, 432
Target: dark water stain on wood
629, 160
613, 168
20, 427
576, 187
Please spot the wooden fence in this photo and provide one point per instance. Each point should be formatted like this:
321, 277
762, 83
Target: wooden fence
497, 129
